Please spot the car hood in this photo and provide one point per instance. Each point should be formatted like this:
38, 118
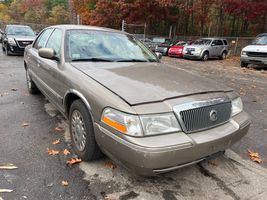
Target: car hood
139, 83
22, 37
177, 47
256, 48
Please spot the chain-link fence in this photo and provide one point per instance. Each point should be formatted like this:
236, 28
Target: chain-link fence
236, 44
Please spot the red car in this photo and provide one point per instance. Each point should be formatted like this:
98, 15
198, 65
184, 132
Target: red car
177, 49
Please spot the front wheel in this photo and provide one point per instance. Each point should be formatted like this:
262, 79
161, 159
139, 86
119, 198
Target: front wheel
244, 64
82, 132
205, 56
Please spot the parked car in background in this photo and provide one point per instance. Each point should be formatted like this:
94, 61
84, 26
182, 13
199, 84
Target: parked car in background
121, 100
146, 41
206, 48
160, 44
1, 35
177, 49
16, 38
256, 53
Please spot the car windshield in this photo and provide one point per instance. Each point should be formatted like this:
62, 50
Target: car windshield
202, 42
90, 45
180, 43
20, 30
261, 40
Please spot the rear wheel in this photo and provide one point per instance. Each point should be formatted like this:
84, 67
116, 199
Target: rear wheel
205, 56
82, 132
32, 88
244, 64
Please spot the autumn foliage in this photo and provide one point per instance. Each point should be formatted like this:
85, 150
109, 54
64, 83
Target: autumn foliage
186, 17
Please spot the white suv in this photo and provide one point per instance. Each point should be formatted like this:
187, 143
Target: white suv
256, 53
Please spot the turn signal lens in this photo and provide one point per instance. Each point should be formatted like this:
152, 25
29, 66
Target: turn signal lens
122, 122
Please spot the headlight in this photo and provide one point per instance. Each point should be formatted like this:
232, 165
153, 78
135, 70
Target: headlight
243, 53
125, 123
11, 41
132, 124
159, 124
198, 50
237, 106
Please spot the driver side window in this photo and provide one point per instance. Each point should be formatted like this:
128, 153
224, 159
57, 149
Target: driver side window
54, 42
40, 42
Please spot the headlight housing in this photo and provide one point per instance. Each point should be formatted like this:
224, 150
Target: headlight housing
237, 106
138, 126
11, 41
159, 124
198, 50
243, 53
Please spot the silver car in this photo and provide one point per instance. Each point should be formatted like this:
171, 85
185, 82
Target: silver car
206, 48
120, 100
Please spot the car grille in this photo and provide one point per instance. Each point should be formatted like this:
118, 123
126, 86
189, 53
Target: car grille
197, 119
256, 54
190, 49
23, 44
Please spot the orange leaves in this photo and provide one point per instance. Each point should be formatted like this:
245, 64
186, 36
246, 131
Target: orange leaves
74, 161
254, 156
58, 129
56, 142
110, 164
66, 152
52, 152
65, 183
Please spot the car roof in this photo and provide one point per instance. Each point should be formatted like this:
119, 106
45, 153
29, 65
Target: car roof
213, 38
17, 25
85, 27
262, 34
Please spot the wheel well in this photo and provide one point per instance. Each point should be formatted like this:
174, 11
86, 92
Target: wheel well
70, 98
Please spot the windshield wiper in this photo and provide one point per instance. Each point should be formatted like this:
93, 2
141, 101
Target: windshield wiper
132, 60
92, 60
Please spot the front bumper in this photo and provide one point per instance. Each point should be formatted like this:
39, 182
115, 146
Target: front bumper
14, 49
175, 54
162, 50
148, 156
254, 60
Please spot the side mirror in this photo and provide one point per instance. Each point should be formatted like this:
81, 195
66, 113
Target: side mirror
48, 53
159, 55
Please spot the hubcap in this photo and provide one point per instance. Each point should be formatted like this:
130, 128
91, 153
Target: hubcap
78, 130
29, 83
206, 57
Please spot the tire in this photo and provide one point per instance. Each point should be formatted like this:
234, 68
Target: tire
223, 56
205, 56
32, 88
244, 64
82, 132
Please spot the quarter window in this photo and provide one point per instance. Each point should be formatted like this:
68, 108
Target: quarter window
54, 42
40, 42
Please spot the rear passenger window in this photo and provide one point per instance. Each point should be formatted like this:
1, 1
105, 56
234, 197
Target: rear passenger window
218, 42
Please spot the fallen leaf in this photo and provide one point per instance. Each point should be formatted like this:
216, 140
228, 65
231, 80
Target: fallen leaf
74, 161
58, 129
66, 152
110, 164
8, 166
254, 156
56, 141
213, 163
25, 124
52, 152
65, 183
14, 89
5, 190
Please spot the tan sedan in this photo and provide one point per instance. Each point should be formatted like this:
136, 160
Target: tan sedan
120, 100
